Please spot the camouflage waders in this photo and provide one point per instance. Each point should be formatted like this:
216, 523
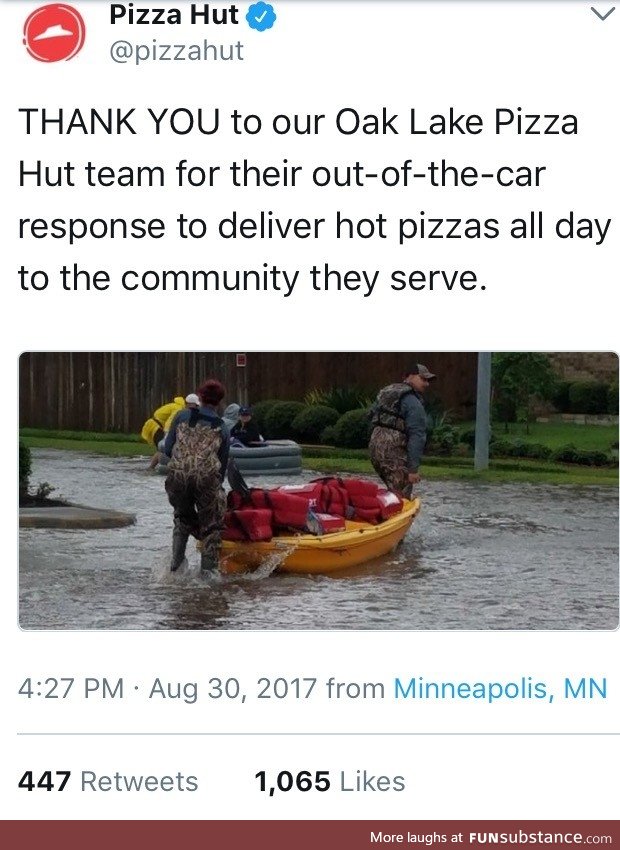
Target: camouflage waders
194, 488
388, 454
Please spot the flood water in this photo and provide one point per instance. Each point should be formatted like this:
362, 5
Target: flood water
479, 556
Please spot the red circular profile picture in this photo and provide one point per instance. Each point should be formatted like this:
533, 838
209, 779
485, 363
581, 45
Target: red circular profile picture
54, 32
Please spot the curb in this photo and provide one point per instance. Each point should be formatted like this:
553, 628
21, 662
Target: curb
74, 517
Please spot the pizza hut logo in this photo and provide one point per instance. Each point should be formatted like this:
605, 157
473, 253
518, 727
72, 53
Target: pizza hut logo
54, 33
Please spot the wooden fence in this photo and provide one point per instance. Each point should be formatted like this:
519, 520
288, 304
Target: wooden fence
117, 391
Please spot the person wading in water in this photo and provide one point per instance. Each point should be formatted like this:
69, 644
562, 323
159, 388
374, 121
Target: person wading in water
398, 437
198, 445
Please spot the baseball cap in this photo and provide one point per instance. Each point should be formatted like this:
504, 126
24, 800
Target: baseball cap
245, 411
421, 370
192, 398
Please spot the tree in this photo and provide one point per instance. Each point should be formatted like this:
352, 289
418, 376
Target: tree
518, 377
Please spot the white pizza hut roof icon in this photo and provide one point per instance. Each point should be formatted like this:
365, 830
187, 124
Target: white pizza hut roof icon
53, 32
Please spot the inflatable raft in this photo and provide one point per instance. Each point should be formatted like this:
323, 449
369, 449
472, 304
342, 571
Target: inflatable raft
306, 553
282, 457
271, 458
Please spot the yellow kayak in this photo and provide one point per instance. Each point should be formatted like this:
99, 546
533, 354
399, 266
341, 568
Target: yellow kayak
306, 553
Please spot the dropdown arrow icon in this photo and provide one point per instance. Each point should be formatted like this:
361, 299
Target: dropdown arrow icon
605, 16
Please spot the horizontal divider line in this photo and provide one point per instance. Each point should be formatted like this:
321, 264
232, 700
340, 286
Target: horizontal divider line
319, 734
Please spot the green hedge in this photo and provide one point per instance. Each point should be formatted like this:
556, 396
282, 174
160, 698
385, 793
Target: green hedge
309, 424
260, 411
25, 468
468, 437
352, 430
328, 436
279, 419
612, 399
561, 396
519, 448
442, 440
590, 397
571, 454
536, 451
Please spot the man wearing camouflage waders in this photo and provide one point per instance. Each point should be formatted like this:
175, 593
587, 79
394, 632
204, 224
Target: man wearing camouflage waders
198, 445
398, 437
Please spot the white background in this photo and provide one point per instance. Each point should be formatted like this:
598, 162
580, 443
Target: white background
320, 57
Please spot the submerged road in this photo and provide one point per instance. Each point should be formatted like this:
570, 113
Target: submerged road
479, 556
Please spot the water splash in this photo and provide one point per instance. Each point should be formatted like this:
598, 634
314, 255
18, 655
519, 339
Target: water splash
188, 574
269, 565
160, 569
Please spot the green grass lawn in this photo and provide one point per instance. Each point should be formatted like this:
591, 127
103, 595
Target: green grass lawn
83, 436
500, 471
328, 460
113, 448
556, 434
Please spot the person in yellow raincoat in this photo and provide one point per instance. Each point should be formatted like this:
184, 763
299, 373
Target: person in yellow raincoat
152, 431
157, 426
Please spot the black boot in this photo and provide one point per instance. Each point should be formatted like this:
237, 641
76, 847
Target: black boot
210, 554
179, 544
